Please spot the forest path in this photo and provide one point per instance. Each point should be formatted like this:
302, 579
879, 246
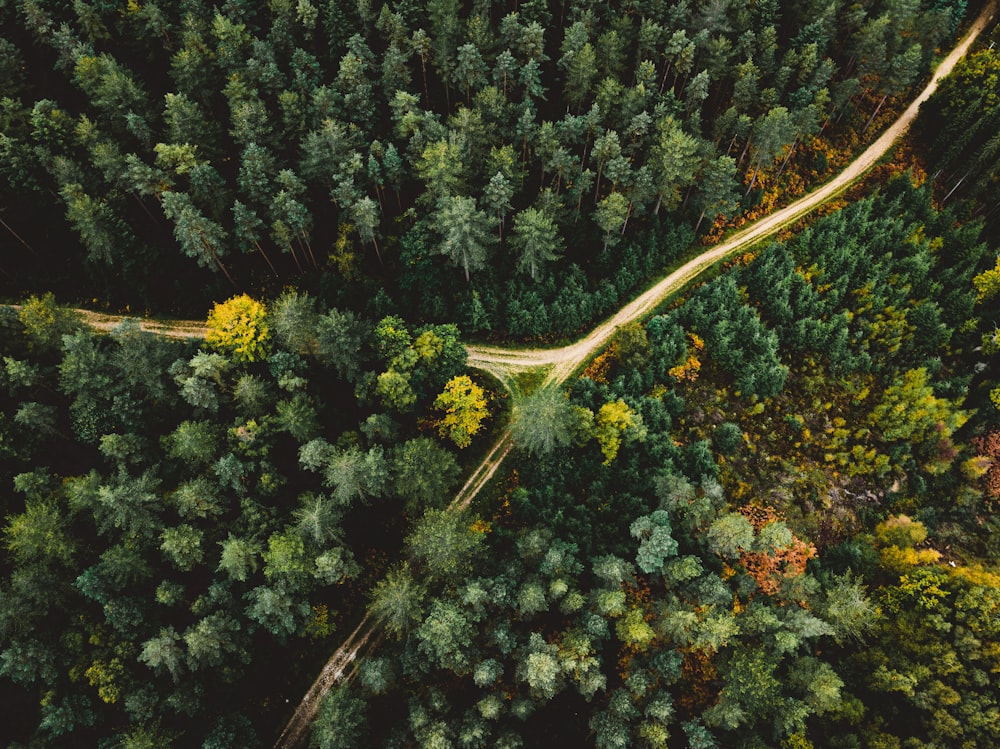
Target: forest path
505, 364
342, 665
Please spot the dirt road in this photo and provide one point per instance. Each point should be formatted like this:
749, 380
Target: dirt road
503, 363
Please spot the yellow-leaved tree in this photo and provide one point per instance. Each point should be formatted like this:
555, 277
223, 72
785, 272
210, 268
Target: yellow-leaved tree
239, 327
464, 406
612, 421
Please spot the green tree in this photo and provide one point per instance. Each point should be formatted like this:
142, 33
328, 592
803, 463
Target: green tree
535, 240
424, 474
542, 422
465, 233
397, 600
444, 543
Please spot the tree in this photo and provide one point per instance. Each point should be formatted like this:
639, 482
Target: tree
675, 161
771, 133
340, 722
45, 322
496, 196
199, 237
182, 545
613, 419
717, 191
656, 542
397, 600
465, 235
239, 326
542, 422
239, 557
339, 338
611, 214
535, 240
444, 543
465, 408
164, 653
424, 474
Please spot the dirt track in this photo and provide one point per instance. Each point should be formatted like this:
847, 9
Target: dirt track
564, 361
506, 363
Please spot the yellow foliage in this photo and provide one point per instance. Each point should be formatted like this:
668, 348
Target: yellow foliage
239, 326
690, 368
976, 575
611, 421
481, 526
344, 258
464, 406
901, 530
976, 467
987, 283
320, 624
900, 560
104, 676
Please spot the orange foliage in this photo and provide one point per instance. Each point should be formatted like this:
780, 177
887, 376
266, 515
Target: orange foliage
689, 369
700, 681
989, 446
597, 370
768, 569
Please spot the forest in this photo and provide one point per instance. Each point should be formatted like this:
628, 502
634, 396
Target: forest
762, 516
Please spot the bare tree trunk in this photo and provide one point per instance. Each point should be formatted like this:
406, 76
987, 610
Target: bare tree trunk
264, 254
791, 150
700, 219
874, 114
18, 237
957, 185
753, 180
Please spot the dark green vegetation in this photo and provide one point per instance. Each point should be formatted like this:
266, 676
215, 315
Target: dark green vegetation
783, 549
184, 526
514, 167
763, 518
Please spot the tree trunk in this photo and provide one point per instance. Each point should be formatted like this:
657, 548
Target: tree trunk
874, 114
753, 180
264, 254
18, 237
700, 219
791, 150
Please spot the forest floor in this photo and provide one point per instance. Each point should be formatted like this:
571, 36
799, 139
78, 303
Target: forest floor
559, 364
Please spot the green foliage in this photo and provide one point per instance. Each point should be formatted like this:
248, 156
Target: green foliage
444, 543
424, 474
45, 323
340, 722
542, 422
397, 600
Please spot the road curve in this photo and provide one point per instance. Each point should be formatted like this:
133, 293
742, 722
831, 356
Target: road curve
564, 361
